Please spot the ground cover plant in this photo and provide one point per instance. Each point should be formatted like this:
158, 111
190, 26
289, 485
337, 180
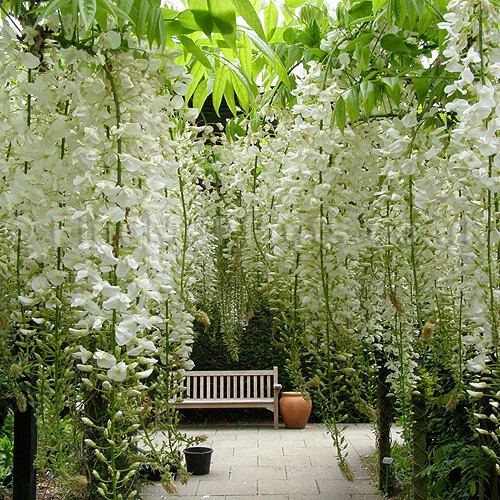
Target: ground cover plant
353, 195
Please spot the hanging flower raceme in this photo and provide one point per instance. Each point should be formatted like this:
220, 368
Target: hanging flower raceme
92, 167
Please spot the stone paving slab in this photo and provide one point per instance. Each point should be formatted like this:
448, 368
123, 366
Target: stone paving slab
285, 464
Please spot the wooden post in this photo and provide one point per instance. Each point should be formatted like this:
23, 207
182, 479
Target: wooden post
419, 445
24, 487
384, 421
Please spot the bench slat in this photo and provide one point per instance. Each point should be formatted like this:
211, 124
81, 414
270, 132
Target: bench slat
230, 402
228, 372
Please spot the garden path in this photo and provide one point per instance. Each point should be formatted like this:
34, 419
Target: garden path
285, 464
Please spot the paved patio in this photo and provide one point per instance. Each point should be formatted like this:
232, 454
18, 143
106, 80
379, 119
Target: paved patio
283, 464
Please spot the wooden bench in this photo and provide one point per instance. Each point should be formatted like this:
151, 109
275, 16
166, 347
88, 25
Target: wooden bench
231, 389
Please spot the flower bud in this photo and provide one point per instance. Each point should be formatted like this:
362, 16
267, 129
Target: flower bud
85, 368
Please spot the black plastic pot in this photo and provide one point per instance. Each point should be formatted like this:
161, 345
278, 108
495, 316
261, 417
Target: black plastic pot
198, 459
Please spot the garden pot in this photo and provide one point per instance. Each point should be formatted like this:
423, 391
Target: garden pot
295, 410
198, 459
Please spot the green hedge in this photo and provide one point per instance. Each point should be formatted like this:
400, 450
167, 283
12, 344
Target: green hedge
259, 348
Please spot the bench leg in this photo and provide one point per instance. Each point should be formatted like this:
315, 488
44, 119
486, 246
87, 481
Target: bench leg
276, 415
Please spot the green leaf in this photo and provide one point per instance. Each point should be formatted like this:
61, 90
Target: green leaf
362, 57
258, 65
310, 36
204, 20
293, 4
224, 18
229, 96
339, 113
247, 12
294, 54
249, 85
125, 5
270, 20
368, 95
421, 84
245, 55
271, 56
419, 6
255, 120
235, 130
360, 10
174, 27
106, 6
397, 11
168, 13
52, 6
187, 19
241, 92
155, 26
290, 35
426, 20
219, 87
393, 43
352, 105
377, 5
393, 88
101, 16
195, 50
309, 14
200, 95
198, 4
362, 40
140, 20
197, 72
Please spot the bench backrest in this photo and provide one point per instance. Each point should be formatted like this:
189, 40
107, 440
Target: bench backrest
240, 384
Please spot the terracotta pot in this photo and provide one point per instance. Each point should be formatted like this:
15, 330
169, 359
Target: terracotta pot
294, 409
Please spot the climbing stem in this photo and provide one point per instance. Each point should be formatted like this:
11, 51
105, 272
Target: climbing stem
19, 232
116, 250
489, 250
337, 438
254, 225
490, 210
413, 253
185, 227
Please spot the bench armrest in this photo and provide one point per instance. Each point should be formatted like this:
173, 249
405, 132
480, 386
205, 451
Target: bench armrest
277, 387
